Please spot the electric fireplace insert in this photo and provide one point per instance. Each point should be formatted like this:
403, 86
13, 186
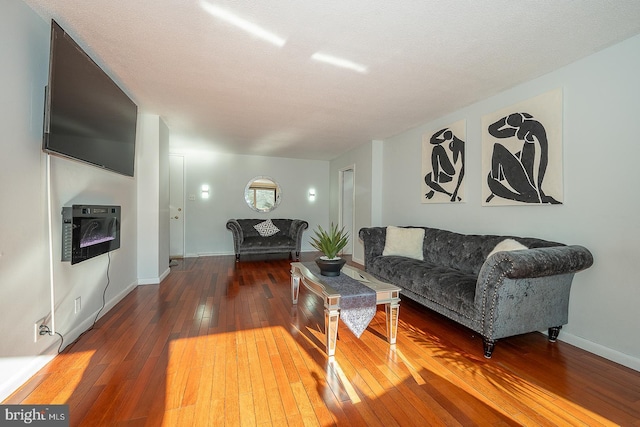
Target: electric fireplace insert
89, 231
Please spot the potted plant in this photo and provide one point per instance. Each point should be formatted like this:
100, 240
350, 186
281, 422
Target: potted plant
330, 243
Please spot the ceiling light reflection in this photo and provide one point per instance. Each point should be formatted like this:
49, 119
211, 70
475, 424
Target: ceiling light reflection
339, 62
243, 24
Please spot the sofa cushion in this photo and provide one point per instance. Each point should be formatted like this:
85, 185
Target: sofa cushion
274, 243
266, 228
405, 242
447, 287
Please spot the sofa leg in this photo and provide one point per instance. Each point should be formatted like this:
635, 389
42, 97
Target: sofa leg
553, 333
297, 256
488, 347
237, 257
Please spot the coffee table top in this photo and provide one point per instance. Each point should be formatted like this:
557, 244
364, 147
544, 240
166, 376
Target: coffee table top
384, 290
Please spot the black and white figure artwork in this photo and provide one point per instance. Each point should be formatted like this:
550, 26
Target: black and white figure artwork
443, 164
522, 153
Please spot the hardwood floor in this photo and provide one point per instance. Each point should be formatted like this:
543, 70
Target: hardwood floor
219, 343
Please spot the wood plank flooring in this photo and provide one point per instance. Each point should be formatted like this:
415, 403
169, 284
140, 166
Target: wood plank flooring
219, 343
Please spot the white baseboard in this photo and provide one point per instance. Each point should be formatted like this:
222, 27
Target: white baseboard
155, 280
213, 254
600, 350
73, 334
22, 369
165, 274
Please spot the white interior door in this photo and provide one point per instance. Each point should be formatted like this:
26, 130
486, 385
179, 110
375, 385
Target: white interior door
176, 206
347, 197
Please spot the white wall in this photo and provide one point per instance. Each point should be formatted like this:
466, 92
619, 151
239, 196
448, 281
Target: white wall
152, 163
227, 175
78, 183
601, 204
362, 158
24, 261
24, 286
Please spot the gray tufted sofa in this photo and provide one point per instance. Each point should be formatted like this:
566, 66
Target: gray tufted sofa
506, 294
246, 239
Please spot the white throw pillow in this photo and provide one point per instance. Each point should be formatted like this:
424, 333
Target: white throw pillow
404, 242
507, 245
266, 228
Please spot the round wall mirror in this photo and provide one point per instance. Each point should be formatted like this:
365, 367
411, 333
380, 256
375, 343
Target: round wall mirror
262, 194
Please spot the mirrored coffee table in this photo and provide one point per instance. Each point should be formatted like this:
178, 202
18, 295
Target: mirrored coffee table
386, 294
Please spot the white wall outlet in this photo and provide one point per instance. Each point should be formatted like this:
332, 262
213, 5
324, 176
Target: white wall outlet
78, 306
36, 329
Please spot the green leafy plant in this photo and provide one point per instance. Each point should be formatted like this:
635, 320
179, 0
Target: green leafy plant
330, 242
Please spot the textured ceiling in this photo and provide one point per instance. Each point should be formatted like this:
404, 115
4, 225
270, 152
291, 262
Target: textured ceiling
217, 85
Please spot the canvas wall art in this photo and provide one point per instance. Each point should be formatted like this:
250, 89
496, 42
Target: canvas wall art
522, 153
443, 162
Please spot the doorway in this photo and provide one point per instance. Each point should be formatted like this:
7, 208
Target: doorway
347, 205
176, 207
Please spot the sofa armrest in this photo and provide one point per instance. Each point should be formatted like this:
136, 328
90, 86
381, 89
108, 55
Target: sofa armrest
373, 239
296, 230
238, 235
527, 290
538, 262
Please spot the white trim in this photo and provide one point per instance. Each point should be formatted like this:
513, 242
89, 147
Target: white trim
358, 260
73, 334
600, 350
155, 280
25, 370
210, 254
184, 203
50, 238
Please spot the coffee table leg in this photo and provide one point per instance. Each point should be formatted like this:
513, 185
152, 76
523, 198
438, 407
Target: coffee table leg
295, 287
331, 317
392, 310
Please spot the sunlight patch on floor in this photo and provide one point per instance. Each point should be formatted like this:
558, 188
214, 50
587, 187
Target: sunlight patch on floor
412, 370
74, 375
346, 384
499, 382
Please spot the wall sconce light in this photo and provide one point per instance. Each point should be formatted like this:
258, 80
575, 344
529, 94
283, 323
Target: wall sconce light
312, 195
205, 191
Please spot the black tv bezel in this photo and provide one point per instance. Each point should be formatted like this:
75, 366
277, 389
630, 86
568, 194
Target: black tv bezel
126, 147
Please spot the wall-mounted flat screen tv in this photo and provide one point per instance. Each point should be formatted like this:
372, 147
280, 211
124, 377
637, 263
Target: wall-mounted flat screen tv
87, 116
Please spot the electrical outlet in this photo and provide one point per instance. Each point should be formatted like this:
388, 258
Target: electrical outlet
36, 329
78, 306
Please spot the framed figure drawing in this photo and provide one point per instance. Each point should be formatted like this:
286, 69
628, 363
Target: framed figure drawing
443, 163
522, 153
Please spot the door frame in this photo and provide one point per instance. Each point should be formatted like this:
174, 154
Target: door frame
183, 203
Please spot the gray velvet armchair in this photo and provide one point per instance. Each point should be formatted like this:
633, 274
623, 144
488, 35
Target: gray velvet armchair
248, 240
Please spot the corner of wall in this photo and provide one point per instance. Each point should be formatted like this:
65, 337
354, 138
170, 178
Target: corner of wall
377, 163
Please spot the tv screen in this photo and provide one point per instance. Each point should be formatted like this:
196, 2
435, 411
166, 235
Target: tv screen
88, 117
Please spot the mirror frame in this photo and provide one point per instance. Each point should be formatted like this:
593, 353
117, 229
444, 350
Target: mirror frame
250, 202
